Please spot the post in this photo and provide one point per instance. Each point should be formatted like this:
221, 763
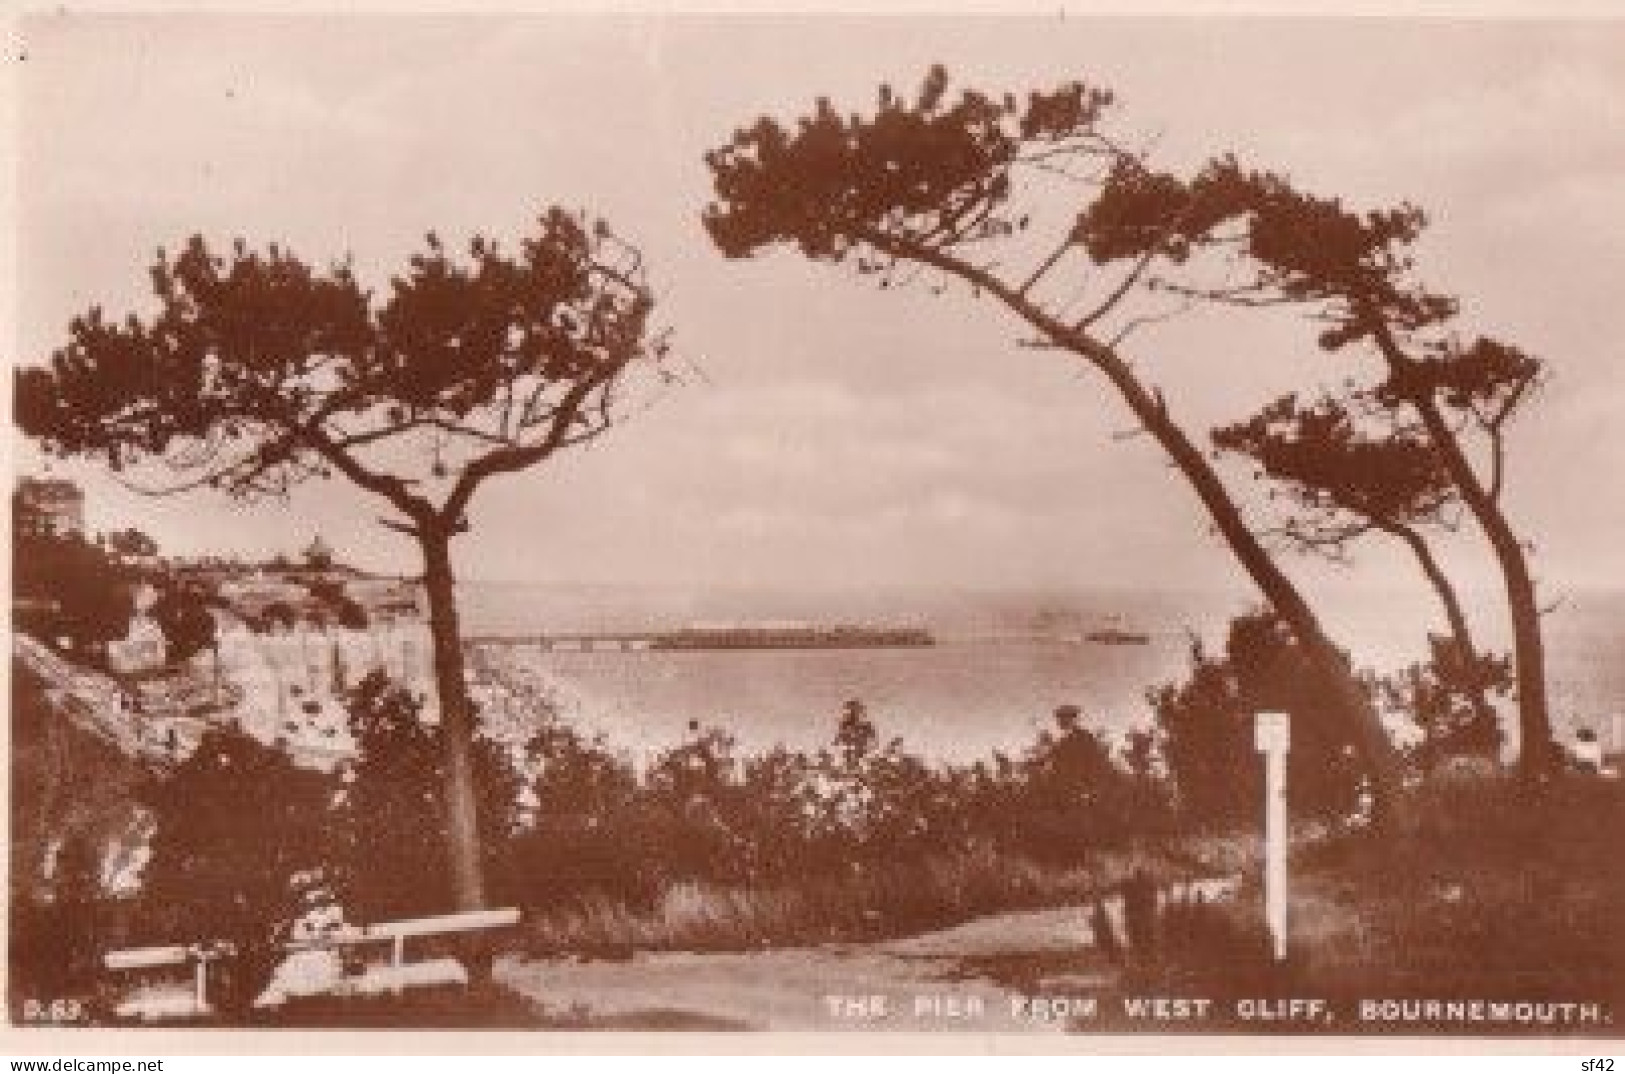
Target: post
1271, 737
200, 980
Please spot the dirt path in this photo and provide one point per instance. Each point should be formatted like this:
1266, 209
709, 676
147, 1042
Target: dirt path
938, 980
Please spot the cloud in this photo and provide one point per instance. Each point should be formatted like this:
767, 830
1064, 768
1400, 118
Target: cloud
838, 431
1550, 121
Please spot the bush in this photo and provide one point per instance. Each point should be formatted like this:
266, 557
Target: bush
345, 611
1448, 698
589, 835
704, 845
1207, 728
848, 814
79, 592
56, 947
393, 822
182, 613
242, 836
1072, 797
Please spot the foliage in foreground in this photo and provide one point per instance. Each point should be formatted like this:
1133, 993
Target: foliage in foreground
705, 847
709, 848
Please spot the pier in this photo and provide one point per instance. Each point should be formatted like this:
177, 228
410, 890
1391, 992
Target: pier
632, 641
709, 637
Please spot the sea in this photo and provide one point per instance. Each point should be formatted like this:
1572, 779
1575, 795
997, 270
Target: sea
1003, 663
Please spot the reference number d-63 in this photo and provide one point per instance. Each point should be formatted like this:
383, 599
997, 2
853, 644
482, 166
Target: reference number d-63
54, 1012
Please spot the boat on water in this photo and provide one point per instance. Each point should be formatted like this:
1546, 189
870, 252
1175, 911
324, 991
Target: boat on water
774, 636
1117, 636
1068, 625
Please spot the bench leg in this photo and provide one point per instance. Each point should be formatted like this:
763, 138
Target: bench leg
200, 982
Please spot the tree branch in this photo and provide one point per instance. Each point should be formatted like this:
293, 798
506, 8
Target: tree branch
1048, 263
1251, 295
1497, 462
1018, 303
1136, 323
1089, 319
207, 480
509, 459
390, 488
1152, 250
1494, 427
1328, 539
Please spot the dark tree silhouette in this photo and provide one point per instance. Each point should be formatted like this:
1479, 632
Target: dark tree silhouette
182, 613
240, 831
73, 590
131, 544
79, 894
962, 187
260, 371
329, 593
393, 805
1345, 481
1207, 727
1355, 274
1439, 694
1074, 796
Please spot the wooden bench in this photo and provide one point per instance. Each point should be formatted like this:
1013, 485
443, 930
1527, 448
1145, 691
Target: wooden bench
395, 933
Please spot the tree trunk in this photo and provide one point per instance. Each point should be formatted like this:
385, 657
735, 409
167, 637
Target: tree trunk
1536, 750
1457, 618
1344, 693
456, 721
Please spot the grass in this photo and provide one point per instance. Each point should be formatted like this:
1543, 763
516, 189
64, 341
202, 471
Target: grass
1493, 887
888, 901
891, 900
1489, 893
478, 1006
897, 900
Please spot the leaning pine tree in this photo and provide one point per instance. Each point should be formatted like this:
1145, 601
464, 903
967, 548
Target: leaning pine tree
1349, 467
260, 371
1034, 205
1353, 274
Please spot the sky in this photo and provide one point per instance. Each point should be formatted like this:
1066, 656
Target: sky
833, 434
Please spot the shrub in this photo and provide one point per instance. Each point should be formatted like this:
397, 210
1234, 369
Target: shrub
589, 834
846, 814
182, 614
1207, 727
1443, 696
241, 834
393, 817
77, 591
1071, 796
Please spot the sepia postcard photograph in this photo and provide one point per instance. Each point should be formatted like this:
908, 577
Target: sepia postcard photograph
1067, 526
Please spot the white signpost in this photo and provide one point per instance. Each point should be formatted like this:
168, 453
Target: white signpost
1271, 735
